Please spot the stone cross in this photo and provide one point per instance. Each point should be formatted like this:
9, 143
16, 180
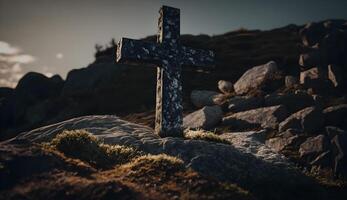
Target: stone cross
169, 55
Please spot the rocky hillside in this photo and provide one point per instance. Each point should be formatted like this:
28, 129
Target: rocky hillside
105, 87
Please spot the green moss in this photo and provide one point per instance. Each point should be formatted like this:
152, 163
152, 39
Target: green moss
204, 135
155, 163
84, 146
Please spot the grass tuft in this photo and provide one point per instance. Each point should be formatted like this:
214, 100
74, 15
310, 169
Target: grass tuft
86, 147
204, 135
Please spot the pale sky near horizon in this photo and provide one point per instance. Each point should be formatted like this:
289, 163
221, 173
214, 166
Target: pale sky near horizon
51, 36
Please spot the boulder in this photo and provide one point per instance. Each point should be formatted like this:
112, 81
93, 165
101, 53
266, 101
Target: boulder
225, 86
292, 101
242, 103
266, 117
290, 139
311, 75
201, 98
205, 118
335, 115
315, 57
339, 143
335, 75
313, 146
291, 81
255, 78
312, 33
309, 120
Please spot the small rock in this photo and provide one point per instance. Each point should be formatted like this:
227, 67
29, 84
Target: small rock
289, 139
334, 115
201, 98
291, 81
242, 103
255, 77
266, 117
225, 86
205, 118
335, 75
313, 146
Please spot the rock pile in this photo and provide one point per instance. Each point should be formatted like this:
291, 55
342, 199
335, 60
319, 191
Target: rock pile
324, 55
309, 128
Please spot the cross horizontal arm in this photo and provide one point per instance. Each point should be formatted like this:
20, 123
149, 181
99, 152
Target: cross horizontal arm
197, 57
138, 51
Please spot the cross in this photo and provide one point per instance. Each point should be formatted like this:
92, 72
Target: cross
169, 55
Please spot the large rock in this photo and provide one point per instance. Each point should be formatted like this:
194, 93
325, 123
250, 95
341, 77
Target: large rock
242, 103
266, 117
205, 118
335, 115
309, 120
225, 86
317, 79
293, 101
290, 139
201, 98
255, 78
223, 162
313, 146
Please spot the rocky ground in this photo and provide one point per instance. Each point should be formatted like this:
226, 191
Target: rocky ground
275, 129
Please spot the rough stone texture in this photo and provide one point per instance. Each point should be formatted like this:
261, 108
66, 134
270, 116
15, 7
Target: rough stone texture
242, 103
335, 115
225, 86
205, 118
335, 75
289, 139
317, 79
169, 55
255, 77
293, 101
266, 117
246, 162
308, 119
313, 146
201, 98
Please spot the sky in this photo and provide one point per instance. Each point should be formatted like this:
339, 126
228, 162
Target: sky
55, 36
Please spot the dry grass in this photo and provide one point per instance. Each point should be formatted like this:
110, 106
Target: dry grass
84, 146
204, 135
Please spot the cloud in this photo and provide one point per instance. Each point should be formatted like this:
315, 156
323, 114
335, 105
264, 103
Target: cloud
6, 48
59, 56
11, 62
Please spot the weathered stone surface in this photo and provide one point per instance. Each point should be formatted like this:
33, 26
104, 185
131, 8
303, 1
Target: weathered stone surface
335, 115
291, 81
242, 103
309, 120
205, 118
266, 117
254, 78
293, 102
242, 163
335, 75
289, 139
201, 98
225, 86
313, 146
